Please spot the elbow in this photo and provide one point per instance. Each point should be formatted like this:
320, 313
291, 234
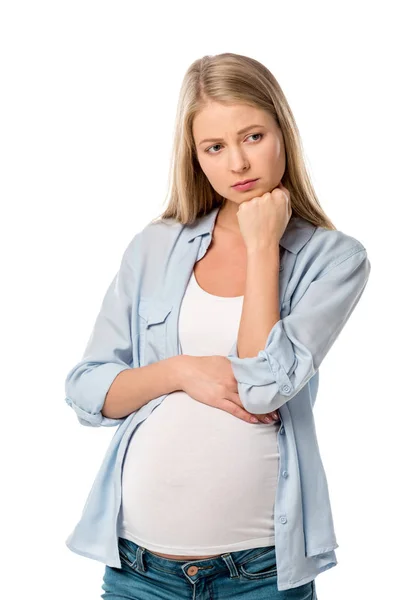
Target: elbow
86, 387
89, 419
262, 399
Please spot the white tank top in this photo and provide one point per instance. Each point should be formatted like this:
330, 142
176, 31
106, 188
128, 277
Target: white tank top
196, 480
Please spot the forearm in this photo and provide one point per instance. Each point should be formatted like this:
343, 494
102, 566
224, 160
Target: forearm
260, 309
133, 388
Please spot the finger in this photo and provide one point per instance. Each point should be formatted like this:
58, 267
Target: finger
268, 418
273, 416
234, 397
241, 413
231, 407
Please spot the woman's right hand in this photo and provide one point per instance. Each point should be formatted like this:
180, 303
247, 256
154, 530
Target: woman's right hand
210, 380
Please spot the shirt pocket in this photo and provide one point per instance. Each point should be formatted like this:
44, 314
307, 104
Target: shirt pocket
153, 330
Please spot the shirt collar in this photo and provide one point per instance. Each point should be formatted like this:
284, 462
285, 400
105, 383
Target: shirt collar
297, 233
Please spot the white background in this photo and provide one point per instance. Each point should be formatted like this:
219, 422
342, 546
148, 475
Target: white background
88, 98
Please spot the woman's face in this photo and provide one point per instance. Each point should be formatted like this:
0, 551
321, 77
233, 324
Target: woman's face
258, 152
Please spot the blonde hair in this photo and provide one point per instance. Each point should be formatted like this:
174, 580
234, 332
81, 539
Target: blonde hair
232, 78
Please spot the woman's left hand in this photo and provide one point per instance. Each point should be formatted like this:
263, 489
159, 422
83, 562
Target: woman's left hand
263, 219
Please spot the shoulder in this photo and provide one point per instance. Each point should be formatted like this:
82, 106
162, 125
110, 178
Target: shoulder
160, 234
154, 240
327, 248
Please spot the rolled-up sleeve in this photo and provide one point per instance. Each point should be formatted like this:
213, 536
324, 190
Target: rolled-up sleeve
298, 343
108, 352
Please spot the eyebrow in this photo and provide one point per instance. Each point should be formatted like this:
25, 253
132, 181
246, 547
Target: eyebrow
238, 133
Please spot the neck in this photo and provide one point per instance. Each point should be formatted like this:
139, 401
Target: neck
227, 217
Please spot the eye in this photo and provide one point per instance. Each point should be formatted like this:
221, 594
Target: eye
251, 135
208, 149
256, 134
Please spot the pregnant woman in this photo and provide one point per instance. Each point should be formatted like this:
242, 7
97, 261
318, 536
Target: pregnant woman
205, 354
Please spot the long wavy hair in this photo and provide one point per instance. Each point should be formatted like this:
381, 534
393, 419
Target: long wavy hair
232, 79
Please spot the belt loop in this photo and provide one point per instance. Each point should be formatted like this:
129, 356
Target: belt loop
233, 572
139, 559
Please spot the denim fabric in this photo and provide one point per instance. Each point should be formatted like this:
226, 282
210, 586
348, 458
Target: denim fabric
247, 574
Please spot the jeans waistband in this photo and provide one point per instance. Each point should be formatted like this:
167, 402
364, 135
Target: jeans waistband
141, 559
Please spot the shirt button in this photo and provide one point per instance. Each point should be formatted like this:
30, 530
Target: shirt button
285, 473
286, 388
281, 267
282, 431
283, 519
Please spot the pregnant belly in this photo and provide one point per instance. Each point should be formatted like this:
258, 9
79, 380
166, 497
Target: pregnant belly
197, 477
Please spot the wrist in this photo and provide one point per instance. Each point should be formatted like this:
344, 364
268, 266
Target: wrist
176, 371
264, 248
268, 253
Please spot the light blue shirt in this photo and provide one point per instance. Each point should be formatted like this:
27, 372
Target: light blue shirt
322, 276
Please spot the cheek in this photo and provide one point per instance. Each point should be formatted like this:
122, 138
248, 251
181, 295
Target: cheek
274, 156
211, 171
273, 149
279, 151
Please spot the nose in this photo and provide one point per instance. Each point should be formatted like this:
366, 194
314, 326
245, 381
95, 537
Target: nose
238, 161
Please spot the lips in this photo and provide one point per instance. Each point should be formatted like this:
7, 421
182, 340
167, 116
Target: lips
243, 182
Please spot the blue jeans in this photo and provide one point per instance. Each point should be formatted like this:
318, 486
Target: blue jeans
245, 575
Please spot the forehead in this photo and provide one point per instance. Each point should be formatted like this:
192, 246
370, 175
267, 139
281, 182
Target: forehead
217, 119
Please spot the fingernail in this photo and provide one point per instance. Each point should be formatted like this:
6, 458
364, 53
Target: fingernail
253, 420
